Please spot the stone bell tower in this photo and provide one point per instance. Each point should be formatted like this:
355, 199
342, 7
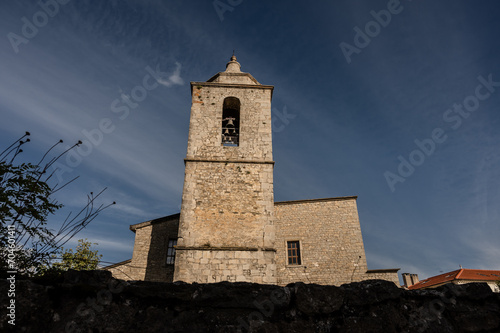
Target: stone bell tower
226, 230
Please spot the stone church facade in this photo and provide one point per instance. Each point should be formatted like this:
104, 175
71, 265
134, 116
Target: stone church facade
229, 227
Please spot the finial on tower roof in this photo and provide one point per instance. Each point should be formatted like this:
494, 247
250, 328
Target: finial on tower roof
233, 66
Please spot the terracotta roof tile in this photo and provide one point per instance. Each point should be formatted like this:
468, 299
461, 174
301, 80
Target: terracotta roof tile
460, 274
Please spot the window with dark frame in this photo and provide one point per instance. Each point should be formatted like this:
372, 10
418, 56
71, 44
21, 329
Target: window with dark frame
171, 251
293, 248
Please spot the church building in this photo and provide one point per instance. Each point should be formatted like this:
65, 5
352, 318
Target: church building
229, 227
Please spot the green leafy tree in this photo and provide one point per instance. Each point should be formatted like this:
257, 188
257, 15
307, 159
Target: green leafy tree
26, 203
83, 258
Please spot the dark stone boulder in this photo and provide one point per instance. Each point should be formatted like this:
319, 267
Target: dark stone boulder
313, 298
95, 302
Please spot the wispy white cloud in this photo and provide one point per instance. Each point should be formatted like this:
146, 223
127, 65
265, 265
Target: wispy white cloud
174, 78
131, 210
115, 245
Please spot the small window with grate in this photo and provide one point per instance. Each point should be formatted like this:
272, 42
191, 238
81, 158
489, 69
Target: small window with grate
171, 251
293, 250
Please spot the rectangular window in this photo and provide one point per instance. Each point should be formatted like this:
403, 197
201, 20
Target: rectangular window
293, 248
171, 251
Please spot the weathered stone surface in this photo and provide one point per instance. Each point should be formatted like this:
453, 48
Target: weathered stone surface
227, 199
329, 232
94, 302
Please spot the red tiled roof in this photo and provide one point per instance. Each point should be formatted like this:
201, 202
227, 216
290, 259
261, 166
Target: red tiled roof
460, 274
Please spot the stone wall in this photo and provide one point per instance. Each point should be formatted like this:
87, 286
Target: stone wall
148, 261
94, 302
330, 239
383, 274
122, 270
234, 265
227, 205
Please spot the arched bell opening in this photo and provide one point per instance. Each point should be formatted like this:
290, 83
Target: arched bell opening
231, 122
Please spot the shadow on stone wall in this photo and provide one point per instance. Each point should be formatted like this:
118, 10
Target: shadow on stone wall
95, 302
157, 270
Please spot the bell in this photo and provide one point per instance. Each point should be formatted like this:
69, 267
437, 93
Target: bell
230, 121
226, 132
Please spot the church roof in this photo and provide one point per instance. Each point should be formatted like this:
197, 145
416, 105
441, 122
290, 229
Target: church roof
478, 275
233, 75
315, 200
124, 262
172, 217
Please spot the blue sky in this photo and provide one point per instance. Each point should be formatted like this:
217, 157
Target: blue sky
366, 85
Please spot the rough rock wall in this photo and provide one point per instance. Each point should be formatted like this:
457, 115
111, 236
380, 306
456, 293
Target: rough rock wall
95, 302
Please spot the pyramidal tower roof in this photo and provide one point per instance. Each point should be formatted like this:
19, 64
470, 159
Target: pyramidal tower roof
233, 74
